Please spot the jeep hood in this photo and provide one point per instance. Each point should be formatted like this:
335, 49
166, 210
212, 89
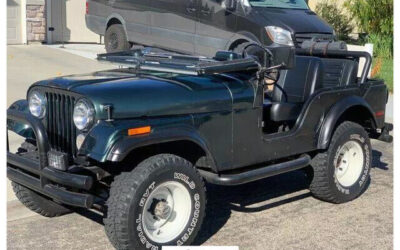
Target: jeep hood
144, 95
294, 20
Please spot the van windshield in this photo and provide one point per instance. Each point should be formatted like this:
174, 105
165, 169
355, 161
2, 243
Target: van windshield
287, 4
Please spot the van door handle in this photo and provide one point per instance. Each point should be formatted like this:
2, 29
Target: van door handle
190, 10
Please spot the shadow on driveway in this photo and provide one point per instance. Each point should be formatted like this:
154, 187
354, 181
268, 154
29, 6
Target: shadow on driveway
248, 198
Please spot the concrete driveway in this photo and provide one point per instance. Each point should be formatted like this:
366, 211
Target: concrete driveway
275, 213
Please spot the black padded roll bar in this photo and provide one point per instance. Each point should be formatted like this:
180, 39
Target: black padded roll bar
341, 54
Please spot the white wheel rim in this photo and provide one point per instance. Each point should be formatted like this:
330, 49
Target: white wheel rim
166, 212
349, 163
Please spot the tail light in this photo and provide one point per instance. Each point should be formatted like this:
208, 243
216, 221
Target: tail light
87, 7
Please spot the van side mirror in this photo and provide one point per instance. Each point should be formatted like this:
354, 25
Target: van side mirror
231, 5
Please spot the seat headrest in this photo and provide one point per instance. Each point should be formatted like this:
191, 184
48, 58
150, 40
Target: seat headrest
340, 72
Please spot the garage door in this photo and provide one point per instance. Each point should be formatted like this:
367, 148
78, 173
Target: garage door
68, 21
14, 22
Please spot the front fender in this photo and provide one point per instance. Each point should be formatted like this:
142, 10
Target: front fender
160, 135
334, 115
19, 128
109, 141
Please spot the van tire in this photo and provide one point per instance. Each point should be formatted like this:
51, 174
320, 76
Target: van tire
38, 203
128, 208
327, 183
115, 39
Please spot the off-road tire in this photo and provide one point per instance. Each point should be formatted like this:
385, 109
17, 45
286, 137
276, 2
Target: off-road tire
38, 203
115, 39
122, 220
325, 185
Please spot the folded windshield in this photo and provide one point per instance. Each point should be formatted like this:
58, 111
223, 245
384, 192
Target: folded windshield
287, 4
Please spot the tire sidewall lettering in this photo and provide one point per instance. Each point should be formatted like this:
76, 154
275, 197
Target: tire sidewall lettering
195, 213
360, 183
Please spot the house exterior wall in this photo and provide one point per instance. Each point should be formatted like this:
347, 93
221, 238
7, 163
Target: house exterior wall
35, 20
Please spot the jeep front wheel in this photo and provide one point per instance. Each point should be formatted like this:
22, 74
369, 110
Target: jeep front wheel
38, 203
161, 202
342, 172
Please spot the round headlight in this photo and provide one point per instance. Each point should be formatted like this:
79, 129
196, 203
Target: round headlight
83, 115
37, 104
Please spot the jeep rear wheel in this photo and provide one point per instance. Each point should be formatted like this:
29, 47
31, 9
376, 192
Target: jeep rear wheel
115, 39
161, 202
38, 203
342, 172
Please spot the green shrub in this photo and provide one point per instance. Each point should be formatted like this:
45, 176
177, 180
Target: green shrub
385, 72
373, 16
333, 15
383, 45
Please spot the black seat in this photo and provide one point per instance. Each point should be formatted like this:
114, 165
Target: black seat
294, 87
339, 72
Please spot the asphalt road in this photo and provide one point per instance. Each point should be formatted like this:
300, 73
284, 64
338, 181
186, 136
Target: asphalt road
275, 213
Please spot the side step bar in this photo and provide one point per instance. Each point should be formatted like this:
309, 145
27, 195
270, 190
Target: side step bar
256, 174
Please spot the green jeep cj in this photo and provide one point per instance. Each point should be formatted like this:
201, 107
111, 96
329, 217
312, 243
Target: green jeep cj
138, 143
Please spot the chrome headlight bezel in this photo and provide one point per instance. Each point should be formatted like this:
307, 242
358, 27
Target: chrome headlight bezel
37, 103
83, 115
279, 35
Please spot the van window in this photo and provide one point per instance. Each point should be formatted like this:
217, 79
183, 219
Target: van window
286, 4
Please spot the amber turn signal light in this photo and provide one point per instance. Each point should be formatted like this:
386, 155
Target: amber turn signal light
139, 131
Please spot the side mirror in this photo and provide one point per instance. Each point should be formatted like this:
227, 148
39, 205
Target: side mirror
231, 5
272, 56
283, 55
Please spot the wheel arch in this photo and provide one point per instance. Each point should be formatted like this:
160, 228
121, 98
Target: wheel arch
186, 145
241, 37
352, 108
116, 19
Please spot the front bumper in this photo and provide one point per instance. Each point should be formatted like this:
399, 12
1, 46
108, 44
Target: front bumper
67, 188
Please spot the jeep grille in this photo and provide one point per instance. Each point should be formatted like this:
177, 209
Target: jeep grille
60, 126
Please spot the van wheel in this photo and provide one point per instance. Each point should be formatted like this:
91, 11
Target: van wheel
115, 39
38, 203
342, 172
161, 202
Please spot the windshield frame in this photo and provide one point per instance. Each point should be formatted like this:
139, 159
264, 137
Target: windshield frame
248, 4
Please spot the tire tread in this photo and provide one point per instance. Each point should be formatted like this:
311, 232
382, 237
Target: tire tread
319, 186
38, 203
126, 183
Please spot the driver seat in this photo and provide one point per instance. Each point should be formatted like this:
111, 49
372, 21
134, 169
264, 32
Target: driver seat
294, 87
